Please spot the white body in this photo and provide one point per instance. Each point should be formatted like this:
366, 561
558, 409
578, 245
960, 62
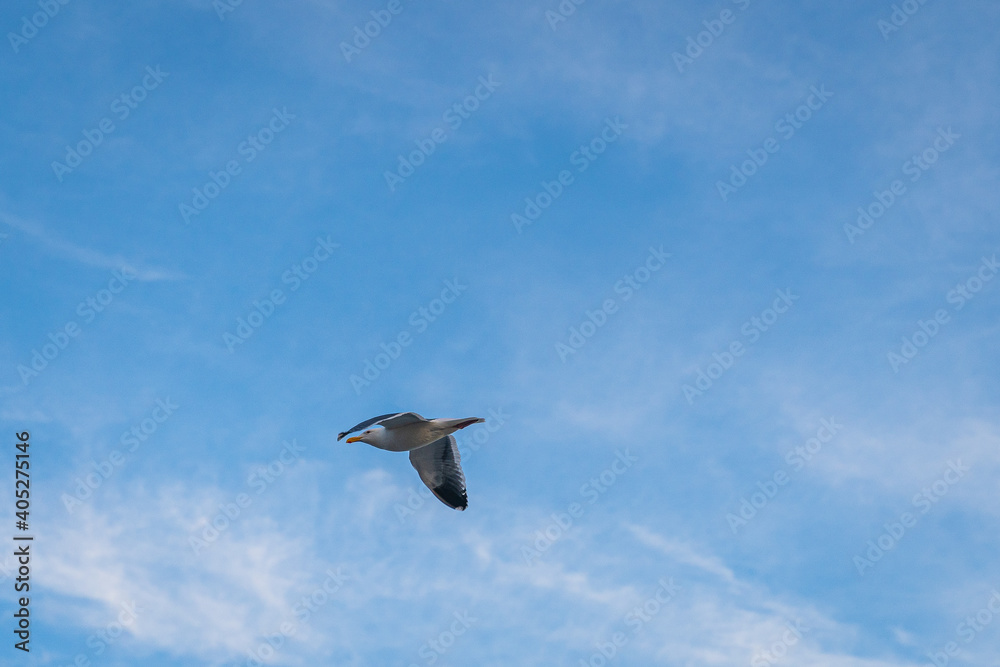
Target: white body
412, 436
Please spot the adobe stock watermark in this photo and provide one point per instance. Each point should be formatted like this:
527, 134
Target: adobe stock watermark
582, 158
752, 330
968, 630
786, 128
302, 612
927, 329
122, 107
563, 11
435, 647
264, 308
255, 144
929, 496
453, 117
468, 444
88, 310
223, 7
31, 26
714, 28
780, 647
130, 440
107, 636
914, 168
363, 35
899, 17
626, 287
795, 459
636, 619
419, 321
260, 479
591, 491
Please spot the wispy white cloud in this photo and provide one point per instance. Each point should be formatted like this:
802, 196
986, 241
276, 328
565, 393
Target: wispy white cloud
59, 247
683, 553
217, 605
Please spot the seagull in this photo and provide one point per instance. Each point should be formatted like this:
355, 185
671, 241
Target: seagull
432, 447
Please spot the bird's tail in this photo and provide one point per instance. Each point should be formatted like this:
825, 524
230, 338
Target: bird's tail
458, 424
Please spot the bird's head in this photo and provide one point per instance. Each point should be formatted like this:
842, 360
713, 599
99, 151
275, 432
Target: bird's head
368, 436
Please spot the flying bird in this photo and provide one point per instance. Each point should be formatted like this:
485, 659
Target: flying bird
432, 447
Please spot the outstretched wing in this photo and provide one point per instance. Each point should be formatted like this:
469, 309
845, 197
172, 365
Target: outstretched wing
390, 420
440, 468
402, 419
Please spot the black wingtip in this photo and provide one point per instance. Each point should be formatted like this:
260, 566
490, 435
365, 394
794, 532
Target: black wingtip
340, 437
453, 500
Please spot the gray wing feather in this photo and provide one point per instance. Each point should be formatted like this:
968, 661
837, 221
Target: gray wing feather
401, 419
440, 467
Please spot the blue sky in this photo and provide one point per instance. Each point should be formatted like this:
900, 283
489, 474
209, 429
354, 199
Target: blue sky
729, 423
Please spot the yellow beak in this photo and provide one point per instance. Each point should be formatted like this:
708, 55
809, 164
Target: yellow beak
354, 439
